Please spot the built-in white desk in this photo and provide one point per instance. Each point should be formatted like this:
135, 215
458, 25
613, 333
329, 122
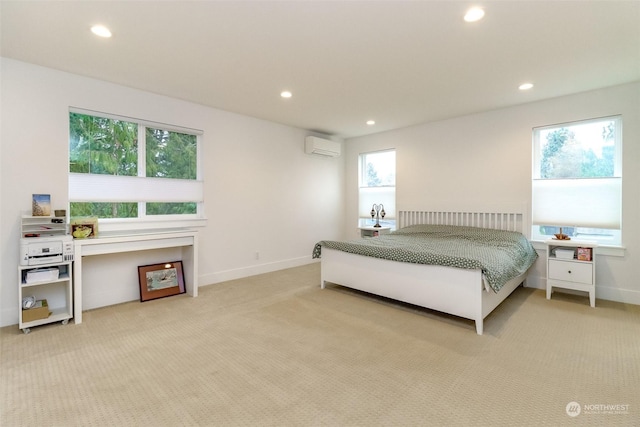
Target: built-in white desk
131, 241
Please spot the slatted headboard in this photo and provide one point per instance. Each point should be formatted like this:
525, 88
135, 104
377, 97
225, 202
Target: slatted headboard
504, 219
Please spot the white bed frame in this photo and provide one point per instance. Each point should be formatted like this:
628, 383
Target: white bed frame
456, 291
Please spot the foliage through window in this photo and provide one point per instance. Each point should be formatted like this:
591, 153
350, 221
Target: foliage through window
377, 183
577, 180
379, 169
123, 168
566, 154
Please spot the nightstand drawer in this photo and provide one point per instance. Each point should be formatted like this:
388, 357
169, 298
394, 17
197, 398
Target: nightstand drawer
571, 271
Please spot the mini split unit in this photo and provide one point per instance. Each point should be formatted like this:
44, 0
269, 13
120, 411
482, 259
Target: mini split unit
322, 147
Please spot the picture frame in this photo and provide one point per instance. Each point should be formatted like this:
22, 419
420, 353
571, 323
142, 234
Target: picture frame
41, 205
84, 227
584, 254
161, 280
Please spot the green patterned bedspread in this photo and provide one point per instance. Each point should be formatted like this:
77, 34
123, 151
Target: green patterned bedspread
501, 255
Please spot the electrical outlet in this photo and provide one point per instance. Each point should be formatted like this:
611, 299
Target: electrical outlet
257, 254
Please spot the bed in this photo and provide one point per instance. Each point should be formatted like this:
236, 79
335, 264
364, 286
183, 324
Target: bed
463, 291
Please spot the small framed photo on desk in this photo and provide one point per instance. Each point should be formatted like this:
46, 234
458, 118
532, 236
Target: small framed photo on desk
84, 227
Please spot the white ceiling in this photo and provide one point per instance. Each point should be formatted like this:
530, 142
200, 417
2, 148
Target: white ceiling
397, 62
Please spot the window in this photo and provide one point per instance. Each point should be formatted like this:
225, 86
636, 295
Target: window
577, 180
125, 168
377, 173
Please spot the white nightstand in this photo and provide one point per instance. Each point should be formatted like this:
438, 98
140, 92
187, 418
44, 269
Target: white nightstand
571, 265
371, 231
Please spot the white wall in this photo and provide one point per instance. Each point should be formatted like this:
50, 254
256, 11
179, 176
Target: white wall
262, 192
487, 158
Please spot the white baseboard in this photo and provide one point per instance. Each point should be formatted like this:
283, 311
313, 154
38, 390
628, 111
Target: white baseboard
536, 282
240, 273
9, 316
626, 296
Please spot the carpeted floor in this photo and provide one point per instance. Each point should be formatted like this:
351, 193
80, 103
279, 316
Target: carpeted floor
276, 350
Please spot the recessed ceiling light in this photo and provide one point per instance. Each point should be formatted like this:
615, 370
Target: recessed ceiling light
286, 94
525, 86
474, 14
101, 31
371, 122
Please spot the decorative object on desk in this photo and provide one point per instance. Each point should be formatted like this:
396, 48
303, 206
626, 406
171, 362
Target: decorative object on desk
84, 227
41, 205
561, 236
161, 280
584, 254
60, 212
377, 211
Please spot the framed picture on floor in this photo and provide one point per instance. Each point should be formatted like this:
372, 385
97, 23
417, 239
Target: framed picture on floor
161, 280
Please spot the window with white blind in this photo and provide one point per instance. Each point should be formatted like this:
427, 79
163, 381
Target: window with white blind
128, 168
377, 186
577, 180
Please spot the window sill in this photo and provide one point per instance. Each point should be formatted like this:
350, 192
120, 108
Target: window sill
124, 224
606, 250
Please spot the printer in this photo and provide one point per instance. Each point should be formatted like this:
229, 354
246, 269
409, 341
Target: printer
46, 250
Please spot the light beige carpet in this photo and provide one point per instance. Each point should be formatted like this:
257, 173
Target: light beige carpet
276, 350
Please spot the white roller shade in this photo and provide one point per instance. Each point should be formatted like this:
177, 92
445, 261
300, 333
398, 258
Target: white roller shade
377, 195
112, 188
586, 202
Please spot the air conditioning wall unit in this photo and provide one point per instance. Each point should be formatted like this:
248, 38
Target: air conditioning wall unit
321, 146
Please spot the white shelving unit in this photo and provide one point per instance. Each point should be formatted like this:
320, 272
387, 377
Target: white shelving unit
58, 293
569, 272
44, 226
